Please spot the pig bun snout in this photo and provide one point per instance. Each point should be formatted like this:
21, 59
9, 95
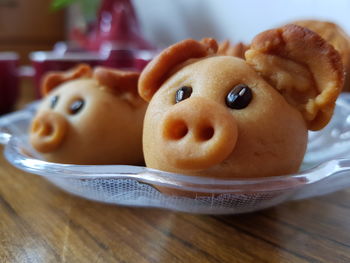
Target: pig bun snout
47, 131
197, 133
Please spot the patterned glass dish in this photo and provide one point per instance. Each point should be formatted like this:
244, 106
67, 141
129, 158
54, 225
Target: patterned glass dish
325, 169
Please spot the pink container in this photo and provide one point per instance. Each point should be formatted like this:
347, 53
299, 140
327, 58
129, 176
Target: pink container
9, 81
43, 62
113, 40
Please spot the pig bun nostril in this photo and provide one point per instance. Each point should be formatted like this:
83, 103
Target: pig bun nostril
205, 133
42, 128
36, 127
46, 130
176, 130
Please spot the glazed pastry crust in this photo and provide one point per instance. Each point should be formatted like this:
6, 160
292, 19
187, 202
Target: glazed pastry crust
108, 128
237, 50
157, 71
268, 144
309, 70
117, 81
294, 77
54, 78
332, 33
107, 131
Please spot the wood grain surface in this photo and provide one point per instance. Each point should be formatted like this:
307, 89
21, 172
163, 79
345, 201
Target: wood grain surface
41, 223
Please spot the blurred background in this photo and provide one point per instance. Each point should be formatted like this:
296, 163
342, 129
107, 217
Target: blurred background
119, 27
26, 26
236, 20
31, 25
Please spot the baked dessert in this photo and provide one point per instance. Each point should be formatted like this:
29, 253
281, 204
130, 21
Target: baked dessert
89, 116
236, 50
336, 36
221, 116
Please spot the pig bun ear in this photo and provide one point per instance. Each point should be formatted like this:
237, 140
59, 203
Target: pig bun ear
236, 50
157, 71
303, 67
117, 81
53, 79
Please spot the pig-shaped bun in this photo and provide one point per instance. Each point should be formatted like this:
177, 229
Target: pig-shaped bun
225, 117
90, 117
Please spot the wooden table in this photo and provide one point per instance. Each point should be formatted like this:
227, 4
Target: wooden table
41, 223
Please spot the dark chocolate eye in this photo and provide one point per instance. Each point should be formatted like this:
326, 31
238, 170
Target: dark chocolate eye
239, 97
76, 106
53, 101
183, 93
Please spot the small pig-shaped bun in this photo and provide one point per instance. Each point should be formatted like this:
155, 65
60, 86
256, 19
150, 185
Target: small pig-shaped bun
90, 117
224, 117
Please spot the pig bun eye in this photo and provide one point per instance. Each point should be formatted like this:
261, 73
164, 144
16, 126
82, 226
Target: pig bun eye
53, 101
239, 97
183, 93
76, 106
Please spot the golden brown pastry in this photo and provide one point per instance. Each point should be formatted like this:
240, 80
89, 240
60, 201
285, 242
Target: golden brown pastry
90, 117
336, 36
225, 117
237, 50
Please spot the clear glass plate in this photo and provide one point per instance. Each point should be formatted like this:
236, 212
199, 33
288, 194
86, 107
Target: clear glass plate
326, 168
